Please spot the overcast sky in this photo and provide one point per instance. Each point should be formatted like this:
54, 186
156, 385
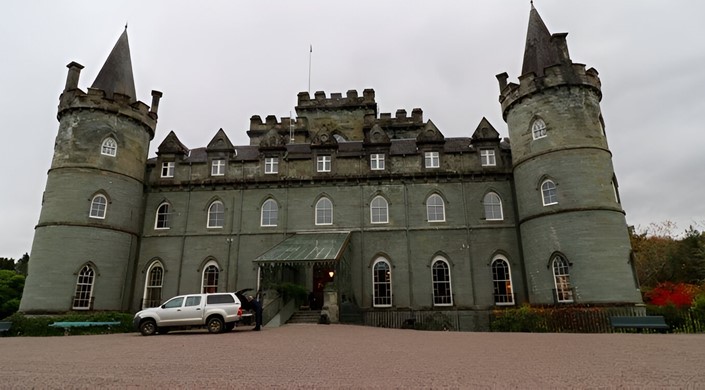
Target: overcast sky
220, 62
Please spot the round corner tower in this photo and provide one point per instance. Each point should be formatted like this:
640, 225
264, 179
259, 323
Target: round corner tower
86, 241
573, 230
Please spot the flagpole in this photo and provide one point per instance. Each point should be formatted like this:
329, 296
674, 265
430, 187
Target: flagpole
310, 53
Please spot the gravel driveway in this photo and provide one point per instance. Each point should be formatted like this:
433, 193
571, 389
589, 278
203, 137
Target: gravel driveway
348, 356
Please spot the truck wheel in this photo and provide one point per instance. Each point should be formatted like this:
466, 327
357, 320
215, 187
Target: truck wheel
215, 325
148, 327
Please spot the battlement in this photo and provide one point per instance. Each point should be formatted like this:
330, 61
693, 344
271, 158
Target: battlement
554, 76
336, 100
271, 122
401, 118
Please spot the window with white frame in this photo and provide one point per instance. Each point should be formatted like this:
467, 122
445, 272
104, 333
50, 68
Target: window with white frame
381, 283
168, 169
83, 296
153, 286
502, 282
162, 219
98, 206
270, 213
271, 165
431, 160
379, 210
218, 167
210, 278
323, 164
216, 215
549, 193
493, 207
109, 147
324, 212
487, 158
377, 161
561, 278
435, 209
538, 129
442, 292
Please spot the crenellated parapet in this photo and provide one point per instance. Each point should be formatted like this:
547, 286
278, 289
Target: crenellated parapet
560, 75
95, 99
336, 101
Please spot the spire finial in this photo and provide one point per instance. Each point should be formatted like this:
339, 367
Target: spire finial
532, 2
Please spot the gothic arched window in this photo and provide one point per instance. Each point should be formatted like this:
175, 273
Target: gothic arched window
549, 193
502, 282
538, 129
270, 213
98, 206
153, 285
109, 147
493, 207
442, 292
216, 215
381, 283
83, 298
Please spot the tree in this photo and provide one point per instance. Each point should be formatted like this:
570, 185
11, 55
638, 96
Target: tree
11, 286
22, 264
8, 264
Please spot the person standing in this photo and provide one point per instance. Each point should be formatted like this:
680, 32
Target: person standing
257, 306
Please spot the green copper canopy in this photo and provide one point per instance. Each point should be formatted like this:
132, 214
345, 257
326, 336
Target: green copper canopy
307, 248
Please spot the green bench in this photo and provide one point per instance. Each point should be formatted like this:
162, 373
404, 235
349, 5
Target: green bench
639, 323
81, 324
5, 326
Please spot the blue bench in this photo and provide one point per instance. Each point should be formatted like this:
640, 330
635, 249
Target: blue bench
5, 326
639, 323
81, 324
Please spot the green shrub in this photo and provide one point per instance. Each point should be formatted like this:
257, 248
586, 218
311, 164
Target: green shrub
39, 325
435, 321
523, 319
292, 291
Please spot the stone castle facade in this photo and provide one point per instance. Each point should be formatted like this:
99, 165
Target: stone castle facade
384, 210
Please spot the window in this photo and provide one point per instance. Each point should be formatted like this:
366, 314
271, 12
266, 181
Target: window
442, 293
219, 299
493, 207
216, 215
381, 284
502, 282
193, 301
109, 147
270, 213
174, 303
538, 129
168, 169
377, 162
378, 210
561, 278
324, 212
98, 205
210, 278
162, 220
435, 209
323, 164
487, 158
548, 193
218, 167
153, 286
431, 160
271, 165
83, 297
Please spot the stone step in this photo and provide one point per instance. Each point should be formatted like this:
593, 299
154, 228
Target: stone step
305, 317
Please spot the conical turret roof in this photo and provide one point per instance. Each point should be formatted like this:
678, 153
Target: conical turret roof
539, 52
116, 74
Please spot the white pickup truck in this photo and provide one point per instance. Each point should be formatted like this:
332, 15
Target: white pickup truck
217, 312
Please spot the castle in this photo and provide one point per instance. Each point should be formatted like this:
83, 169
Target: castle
385, 211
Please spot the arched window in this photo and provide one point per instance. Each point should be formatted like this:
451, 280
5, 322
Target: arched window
162, 219
83, 298
538, 129
493, 207
381, 283
98, 206
324, 212
435, 208
109, 147
270, 213
442, 292
379, 212
502, 282
153, 286
210, 278
216, 214
561, 278
549, 193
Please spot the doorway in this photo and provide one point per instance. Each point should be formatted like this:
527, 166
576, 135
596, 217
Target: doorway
322, 276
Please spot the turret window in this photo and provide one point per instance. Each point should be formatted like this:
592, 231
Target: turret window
538, 129
218, 167
549, 193
83, 297
168, 169
216, 215
162, 219
98, 206
109, 147
561, 278
435, 209
487, 158
493, 207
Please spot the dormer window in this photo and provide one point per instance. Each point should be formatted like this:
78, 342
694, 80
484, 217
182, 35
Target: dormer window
271, 165
323, 164
168, 169
538, 129
218, 167
431, 160
109, 147
377, 161
487, 158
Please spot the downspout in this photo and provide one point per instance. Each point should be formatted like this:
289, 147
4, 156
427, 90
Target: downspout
408, 245
468, 246
183, 237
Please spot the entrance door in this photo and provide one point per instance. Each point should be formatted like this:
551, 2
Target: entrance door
322, 275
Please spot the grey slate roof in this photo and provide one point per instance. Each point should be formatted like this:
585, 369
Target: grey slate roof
116, 74
539, 52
